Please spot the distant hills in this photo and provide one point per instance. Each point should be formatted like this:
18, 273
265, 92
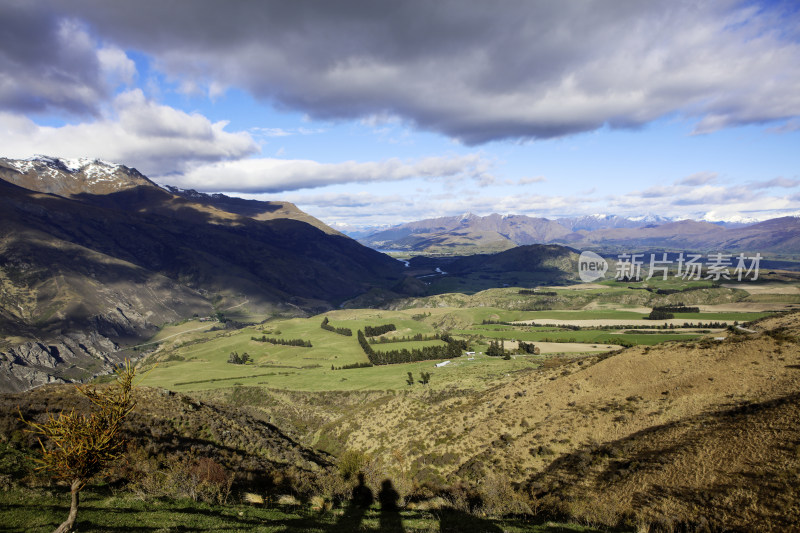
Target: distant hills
472, 234
93, 254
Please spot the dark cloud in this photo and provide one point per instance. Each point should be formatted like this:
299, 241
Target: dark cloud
47, 62
475, 71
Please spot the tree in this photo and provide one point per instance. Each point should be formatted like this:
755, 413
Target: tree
236, 359
410, 379
77, 447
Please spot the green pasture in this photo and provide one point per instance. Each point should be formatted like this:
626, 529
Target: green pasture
192, 358
594, 314
193, 365
711, 317
478, 373
582, 336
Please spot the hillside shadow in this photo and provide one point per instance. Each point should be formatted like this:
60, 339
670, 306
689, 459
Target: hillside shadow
653, 449
454, 521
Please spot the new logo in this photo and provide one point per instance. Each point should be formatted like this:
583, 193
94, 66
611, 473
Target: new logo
591, 267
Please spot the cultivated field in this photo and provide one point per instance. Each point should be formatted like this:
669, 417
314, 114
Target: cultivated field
581, 319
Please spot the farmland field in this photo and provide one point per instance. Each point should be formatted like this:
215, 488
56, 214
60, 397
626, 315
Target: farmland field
194, 355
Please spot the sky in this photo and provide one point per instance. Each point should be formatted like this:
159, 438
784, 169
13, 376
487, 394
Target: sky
369, 113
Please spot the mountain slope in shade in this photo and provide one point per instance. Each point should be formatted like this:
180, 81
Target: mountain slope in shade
121, 258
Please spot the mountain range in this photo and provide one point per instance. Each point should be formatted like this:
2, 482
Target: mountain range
472, 234
94, 255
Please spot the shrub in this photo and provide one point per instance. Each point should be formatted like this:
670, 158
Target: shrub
198, 478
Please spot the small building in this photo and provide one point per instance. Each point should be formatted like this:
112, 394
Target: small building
443, 363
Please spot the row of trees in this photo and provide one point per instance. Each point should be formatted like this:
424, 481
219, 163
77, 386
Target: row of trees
416, 337
677, 308
374, 331
537, 293
341, 331
659, 314
461, 344
352, 365
284, 342
425, 353
497, 349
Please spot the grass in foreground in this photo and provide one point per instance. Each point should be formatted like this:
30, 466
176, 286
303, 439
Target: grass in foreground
33, 511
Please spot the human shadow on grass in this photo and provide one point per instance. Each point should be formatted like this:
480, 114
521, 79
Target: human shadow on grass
361, 500
390, 520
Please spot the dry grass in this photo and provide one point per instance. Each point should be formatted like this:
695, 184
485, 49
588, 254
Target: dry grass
673, 434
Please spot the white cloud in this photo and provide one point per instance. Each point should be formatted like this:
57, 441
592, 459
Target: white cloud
154, 138
117, 66
531, 180
371, 207
699, 178
781, 182
275, 175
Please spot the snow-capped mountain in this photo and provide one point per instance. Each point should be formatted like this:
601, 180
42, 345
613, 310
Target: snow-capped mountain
603, 221
70, 177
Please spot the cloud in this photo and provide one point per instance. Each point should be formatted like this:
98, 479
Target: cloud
781, 182
471, 71
347, 201
50, 63
156, 139
529, 181
271, 132
261, 175
700, 178
371, 206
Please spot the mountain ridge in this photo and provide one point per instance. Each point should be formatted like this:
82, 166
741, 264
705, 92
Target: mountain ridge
122, 256
472, 234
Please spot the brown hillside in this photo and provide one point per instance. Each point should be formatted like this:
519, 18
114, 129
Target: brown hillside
682, 433
167, 428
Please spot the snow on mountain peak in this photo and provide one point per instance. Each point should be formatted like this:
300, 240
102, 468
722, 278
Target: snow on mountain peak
94, 169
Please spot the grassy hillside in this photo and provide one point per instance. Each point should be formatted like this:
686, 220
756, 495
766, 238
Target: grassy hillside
646, 436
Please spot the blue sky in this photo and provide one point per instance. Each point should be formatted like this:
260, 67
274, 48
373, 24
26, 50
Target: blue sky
369, 113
